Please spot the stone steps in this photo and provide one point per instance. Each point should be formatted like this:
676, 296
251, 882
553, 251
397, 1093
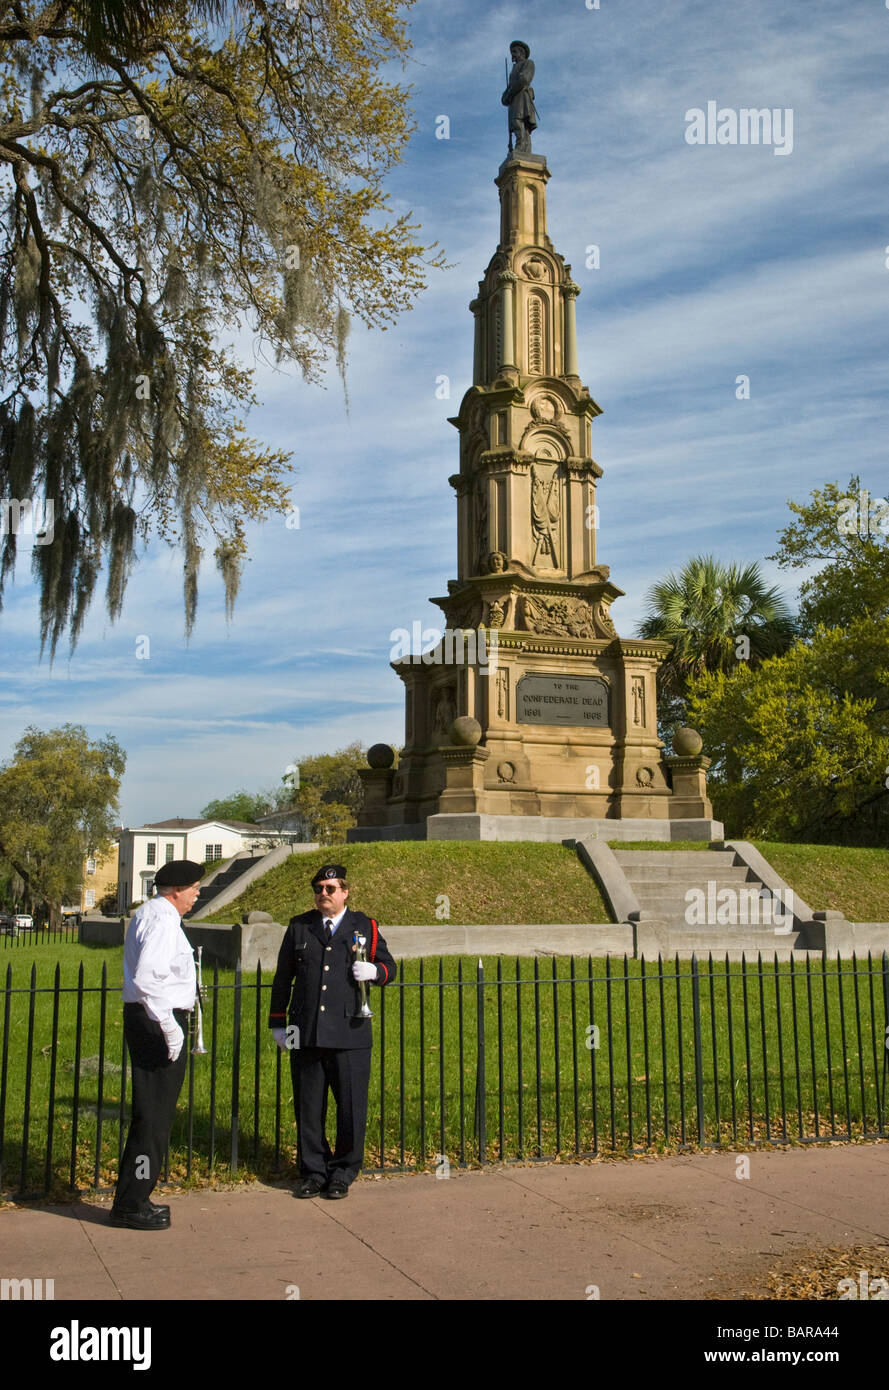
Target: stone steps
663, 882
640, 858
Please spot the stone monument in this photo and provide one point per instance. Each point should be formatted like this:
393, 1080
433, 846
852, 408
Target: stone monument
532, 718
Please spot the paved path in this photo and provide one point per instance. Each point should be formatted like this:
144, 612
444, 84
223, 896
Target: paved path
682, 1227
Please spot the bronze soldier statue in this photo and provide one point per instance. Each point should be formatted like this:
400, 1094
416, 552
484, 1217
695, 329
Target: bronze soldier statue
519, 97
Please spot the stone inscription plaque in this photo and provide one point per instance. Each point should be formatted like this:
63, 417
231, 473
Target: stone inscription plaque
579, 700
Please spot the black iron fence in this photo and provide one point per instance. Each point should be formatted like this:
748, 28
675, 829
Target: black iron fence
509, 1059
12, 935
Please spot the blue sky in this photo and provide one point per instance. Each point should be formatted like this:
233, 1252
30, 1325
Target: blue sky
715, 261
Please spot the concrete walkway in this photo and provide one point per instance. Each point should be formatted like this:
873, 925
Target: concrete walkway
684, 1227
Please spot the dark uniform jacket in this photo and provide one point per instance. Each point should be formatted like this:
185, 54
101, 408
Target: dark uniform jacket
325, 996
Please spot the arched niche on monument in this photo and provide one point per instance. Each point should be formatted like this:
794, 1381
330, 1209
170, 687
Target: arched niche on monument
479, 521
545, 441
538, 334
495, 334
532, 212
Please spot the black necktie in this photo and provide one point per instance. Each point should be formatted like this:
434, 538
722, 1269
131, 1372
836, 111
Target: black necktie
328, 930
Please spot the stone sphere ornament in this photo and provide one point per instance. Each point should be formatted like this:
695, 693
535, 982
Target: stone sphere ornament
687, 743
466, 732
380, 755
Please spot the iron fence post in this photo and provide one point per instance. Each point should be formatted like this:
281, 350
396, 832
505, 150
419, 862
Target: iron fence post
699, 1051
480, 1117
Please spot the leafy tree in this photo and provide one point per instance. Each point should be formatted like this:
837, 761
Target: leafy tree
241, 805
706, 612
58, 804
168, 181
330, 793
800, 746
107, 904
850, 541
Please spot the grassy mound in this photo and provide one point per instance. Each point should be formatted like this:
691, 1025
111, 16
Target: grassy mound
419, 883
831, 877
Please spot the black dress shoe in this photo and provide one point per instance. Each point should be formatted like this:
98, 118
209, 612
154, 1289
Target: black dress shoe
143, 1220
153, 1206
308, 1187
336, 1188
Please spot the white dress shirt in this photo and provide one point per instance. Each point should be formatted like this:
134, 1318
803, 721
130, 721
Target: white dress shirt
334, 921
158, 965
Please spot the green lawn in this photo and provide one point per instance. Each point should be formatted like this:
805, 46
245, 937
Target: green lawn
545, 1090
405, 883
842, 879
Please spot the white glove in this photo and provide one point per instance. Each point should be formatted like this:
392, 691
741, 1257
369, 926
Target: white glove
280, 1036
173, 1037
364, 970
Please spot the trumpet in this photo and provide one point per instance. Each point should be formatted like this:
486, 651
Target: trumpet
360, 948
199, 1049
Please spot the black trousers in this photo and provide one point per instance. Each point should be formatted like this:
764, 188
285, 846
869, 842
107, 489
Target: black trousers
346, 1072
155, 1086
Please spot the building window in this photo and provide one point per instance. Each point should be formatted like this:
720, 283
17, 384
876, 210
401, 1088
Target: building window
150, 853
91, 866
168, 853
89, 897
149, 888
212, 852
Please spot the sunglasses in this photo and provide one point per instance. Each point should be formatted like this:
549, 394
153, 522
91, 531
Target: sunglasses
327, 888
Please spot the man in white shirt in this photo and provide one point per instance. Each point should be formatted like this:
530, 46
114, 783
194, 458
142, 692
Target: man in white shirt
159, 990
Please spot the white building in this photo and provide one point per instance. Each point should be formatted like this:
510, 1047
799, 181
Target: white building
143, 850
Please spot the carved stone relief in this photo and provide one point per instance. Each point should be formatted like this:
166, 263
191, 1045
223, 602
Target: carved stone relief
445, 709
466, 614
502, 693
545, 408
559, 617
546, 509
536, 268
602, 618
497, 611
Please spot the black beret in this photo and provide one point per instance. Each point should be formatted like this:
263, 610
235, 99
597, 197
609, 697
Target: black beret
179, 873
329, 871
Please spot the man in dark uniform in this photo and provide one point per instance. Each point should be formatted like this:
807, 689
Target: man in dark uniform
159, 989
328, 1041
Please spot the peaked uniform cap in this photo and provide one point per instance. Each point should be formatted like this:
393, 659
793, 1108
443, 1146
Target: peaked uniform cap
328, 871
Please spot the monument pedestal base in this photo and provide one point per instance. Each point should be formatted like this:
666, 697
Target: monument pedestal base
550, 828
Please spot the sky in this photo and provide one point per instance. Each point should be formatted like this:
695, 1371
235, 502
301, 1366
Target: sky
716, 261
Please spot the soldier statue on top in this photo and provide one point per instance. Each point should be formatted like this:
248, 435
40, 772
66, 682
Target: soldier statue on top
519, 97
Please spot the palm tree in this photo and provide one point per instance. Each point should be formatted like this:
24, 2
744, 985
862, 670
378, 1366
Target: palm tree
707, 611
125, 25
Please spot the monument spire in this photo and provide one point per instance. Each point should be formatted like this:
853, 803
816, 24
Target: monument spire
552, 714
